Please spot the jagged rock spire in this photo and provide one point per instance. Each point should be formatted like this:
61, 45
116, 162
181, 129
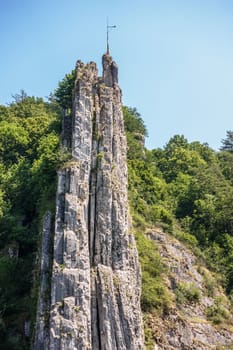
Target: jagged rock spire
95, 286
110, 71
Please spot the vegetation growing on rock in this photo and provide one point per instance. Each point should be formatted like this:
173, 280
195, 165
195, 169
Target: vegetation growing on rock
185, 188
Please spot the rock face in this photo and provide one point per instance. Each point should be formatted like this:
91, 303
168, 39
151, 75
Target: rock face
42, 332
186, 325
95, 286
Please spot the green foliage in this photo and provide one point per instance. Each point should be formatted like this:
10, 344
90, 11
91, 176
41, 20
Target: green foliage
154, 293
134, 123
99, 158
148, 332
210, 283
226, 164
14, 140
147, 193
218, 312
197, 194
186, 237
159, 214
135, 131
29, 157
227, 143
178, 157
187, 293
185, 187
64, 92
43, 170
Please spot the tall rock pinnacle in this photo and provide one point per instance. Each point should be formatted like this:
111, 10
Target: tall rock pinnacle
95, 284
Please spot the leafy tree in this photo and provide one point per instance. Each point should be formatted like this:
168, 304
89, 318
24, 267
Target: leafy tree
2, 203
4, 113
187, 186
178, 157
177, 141
26, 106
225, 159
133, 121
136, 133
205, 152
227, 143
13, 142
64, 92
29, 156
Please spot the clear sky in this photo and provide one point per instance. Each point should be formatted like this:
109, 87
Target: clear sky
175, 57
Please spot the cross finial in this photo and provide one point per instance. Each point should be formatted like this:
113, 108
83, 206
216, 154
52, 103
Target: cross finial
108, 28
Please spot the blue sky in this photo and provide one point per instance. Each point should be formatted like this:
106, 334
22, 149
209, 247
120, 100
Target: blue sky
175, 57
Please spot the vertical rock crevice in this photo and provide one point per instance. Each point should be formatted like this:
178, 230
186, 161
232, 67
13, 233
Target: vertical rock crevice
95, 285
42, 317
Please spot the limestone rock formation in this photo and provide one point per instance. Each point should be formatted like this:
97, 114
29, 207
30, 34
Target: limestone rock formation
186, 325
95, 285
42, 331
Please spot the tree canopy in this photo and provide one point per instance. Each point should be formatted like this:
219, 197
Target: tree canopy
227, 143
29, 156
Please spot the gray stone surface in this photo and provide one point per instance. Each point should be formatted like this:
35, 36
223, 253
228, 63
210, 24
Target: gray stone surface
41, 331
96, 282
187, 326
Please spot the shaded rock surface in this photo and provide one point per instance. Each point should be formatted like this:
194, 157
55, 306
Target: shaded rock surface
42, 332
186, 325
96, 282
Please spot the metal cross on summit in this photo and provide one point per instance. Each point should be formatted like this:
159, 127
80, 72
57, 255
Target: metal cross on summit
108, 29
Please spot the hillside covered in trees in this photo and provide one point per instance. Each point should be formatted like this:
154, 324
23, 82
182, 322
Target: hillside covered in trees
185, 189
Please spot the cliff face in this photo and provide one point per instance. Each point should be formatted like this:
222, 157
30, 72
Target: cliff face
95, 285
187, 325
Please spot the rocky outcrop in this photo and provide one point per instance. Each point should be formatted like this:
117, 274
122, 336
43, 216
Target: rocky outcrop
186, 325
95, 286
42, 317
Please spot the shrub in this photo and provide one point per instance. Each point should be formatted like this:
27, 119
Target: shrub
186, 237
187, 293
155, 295
161, 214
209, 282
148, 332
218, 313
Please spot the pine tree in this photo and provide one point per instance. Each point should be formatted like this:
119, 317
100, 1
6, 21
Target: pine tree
227, 142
